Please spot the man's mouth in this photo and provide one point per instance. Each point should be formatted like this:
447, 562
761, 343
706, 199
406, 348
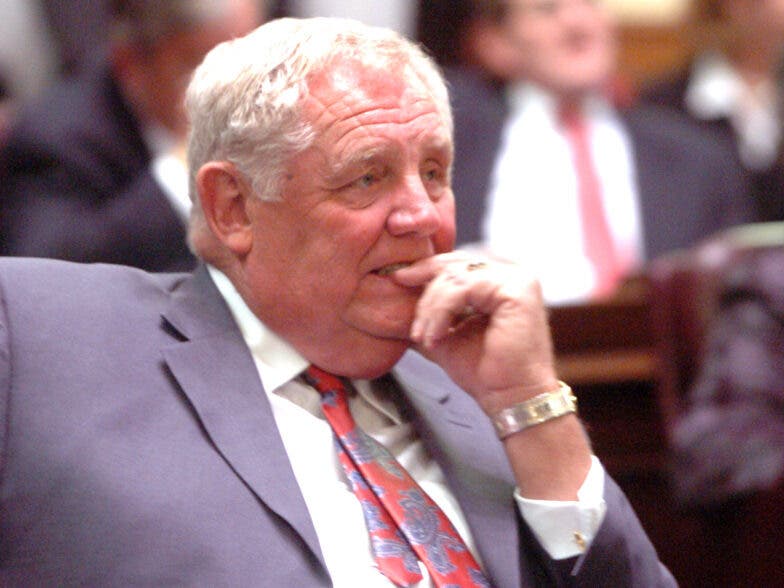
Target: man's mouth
391, 268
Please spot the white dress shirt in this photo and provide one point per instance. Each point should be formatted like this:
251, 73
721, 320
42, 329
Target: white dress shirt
533, 212
716, 90
334, 510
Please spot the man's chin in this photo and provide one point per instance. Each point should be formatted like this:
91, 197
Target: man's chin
369, 359
392, 333
383, 322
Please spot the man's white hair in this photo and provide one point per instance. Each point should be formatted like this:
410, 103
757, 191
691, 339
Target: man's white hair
244, 101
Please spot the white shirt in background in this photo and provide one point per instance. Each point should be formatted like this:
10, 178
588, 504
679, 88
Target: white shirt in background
716, 91
533, 208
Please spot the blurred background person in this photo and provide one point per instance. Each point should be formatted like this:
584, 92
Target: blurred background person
28, 56
548, 150
733, 84
728, 437
93, 170
77, 30
730, 440
28, 59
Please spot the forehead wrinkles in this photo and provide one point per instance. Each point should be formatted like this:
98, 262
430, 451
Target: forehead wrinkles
363, 113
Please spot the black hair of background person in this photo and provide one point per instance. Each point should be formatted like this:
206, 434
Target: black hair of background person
439, 27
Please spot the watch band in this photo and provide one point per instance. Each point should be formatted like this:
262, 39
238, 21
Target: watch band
536, 410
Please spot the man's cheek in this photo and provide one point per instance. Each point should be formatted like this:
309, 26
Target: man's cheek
445, 239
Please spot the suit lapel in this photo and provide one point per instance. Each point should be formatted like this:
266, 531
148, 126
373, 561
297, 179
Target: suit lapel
461, 439
216, 372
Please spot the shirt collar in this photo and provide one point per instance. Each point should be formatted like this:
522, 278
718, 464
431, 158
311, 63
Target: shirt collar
526, 96
279, 361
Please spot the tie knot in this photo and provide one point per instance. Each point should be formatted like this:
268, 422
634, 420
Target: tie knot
570, 117
324, 382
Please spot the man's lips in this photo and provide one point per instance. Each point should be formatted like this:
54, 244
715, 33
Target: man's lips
391, 268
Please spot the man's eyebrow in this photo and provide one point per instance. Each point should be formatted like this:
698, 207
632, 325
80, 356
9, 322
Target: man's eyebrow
356, 159
440, 142
367, 156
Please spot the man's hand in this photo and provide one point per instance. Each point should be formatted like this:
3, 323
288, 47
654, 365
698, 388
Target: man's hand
483, 320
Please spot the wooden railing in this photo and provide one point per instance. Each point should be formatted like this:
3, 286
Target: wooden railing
607, 342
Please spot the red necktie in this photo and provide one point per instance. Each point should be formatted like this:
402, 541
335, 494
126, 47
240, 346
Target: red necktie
597, 238
403, 521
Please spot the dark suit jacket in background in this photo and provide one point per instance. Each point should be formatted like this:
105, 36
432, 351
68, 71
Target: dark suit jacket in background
138, 448
767, 185
75, 183
688, 183
730, 440
79, 28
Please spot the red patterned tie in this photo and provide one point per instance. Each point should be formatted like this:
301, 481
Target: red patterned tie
404, 523
598, 241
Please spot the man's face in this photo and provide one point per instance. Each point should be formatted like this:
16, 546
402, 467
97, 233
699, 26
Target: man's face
371, 192
566, 46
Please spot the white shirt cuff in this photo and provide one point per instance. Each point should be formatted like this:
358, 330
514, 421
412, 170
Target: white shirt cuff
566, 528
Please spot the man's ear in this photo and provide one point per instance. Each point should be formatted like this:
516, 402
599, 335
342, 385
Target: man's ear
225, 200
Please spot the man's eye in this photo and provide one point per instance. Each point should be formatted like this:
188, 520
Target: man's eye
367, 180
433, 174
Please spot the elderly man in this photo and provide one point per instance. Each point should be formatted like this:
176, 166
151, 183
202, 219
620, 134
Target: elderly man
178, 428
734, 87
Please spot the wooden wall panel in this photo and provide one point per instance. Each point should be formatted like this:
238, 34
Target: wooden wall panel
650, 51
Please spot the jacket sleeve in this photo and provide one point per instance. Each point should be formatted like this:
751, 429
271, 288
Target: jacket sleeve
621, 555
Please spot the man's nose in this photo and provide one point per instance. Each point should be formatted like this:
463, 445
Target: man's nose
414, 210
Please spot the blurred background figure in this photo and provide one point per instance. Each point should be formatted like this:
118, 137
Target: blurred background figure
548, 150
726, 414
93, 170
77, 31
734, 84
729, 441
28, 56
28, 59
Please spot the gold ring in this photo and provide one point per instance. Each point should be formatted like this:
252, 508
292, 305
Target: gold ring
467, 312
475, 265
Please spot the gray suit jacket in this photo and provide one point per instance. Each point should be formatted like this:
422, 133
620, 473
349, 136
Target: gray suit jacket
138, 448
